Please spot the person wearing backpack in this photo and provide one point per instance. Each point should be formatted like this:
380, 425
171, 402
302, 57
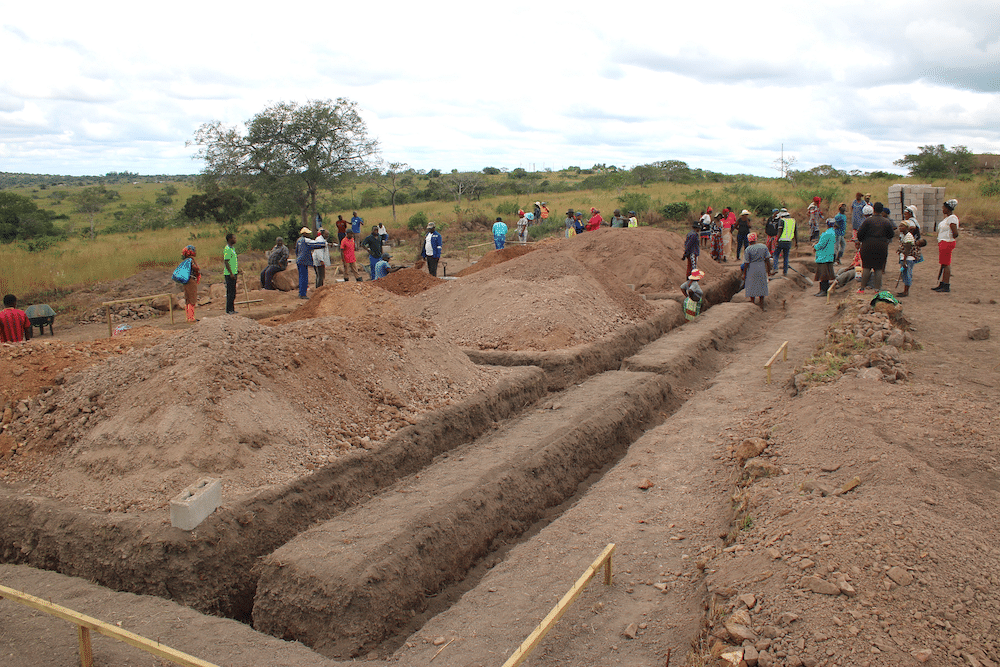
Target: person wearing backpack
191, 286
771, 231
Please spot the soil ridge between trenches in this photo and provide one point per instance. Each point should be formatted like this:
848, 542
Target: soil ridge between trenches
147, 555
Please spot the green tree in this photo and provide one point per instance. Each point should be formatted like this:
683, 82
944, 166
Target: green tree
91, 201
390, 178
311, 146
21, 219
227, 207
937, 161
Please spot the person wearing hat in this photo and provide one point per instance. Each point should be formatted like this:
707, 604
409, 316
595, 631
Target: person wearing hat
910, 218
857, 211
522, 227
693, 294
691, 248
191, 286
617, 219
786, 235
756, 268
499, 233
632, 220
742, 232
840, 229
826, 252
595, 221
815, 218
382, 268
537, 212
304, 247
431, 249
578, 225
947, 235
570, 224
544, 213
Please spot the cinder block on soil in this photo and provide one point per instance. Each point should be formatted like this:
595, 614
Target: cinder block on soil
192, 505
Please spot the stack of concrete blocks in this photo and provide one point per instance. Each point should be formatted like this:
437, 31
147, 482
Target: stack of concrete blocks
926, 198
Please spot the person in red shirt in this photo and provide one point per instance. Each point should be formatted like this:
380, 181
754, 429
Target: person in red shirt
595, 221
347, 249
15, 327
341, 229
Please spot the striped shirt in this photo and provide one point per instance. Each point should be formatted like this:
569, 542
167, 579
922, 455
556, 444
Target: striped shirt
13, 324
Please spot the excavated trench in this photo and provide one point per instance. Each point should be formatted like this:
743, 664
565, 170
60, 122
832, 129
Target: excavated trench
345, 558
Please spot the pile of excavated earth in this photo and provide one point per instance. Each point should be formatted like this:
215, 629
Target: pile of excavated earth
415, 470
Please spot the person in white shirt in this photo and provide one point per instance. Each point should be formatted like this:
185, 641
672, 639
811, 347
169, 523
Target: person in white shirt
947, 235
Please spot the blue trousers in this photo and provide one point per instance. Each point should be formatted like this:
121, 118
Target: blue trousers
499, 242
741, 244
784, 248
372, 261
303, 279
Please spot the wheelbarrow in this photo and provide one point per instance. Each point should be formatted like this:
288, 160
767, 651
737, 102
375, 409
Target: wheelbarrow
41, 315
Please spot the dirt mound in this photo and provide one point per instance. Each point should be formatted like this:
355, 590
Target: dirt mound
572, 292
344, 300
407, 282
37, 366
495, 257
230, 398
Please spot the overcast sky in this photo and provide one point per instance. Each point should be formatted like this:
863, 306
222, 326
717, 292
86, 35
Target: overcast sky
89, 88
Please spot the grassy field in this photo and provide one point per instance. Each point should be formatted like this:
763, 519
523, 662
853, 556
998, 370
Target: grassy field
80, 260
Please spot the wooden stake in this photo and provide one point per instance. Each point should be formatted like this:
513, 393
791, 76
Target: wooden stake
783, 348
441, 649
536, 636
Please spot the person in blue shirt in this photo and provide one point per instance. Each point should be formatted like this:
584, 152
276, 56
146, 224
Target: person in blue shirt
499, 233
431, 249
839, 230
304, 259
382, 268
356, 222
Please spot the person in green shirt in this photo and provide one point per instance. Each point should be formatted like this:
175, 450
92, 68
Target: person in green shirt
230, 271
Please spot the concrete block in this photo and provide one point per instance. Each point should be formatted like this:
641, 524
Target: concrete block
190, 507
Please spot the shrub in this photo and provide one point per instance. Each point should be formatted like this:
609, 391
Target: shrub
417, 221
990, 188
761, 203
676, 210
263, 238
508, 208
635, 201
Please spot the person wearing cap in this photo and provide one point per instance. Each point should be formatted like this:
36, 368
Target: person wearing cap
857, 211
826, 251
277, 261
15, 327
522, 227
756, 268
693, 294
947, 235
349, 255
356, 222
595, 221
840, 229
373, 244
568, 223
231, 269
304, 247
786, 235
691, 248
618, 220
633, 221
910, 218
875, 234
742, 232
815, 218
431, 250
191, 286
382, 268
578, 222
499, 233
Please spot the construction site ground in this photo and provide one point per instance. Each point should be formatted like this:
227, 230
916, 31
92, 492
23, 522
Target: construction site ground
389, 500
